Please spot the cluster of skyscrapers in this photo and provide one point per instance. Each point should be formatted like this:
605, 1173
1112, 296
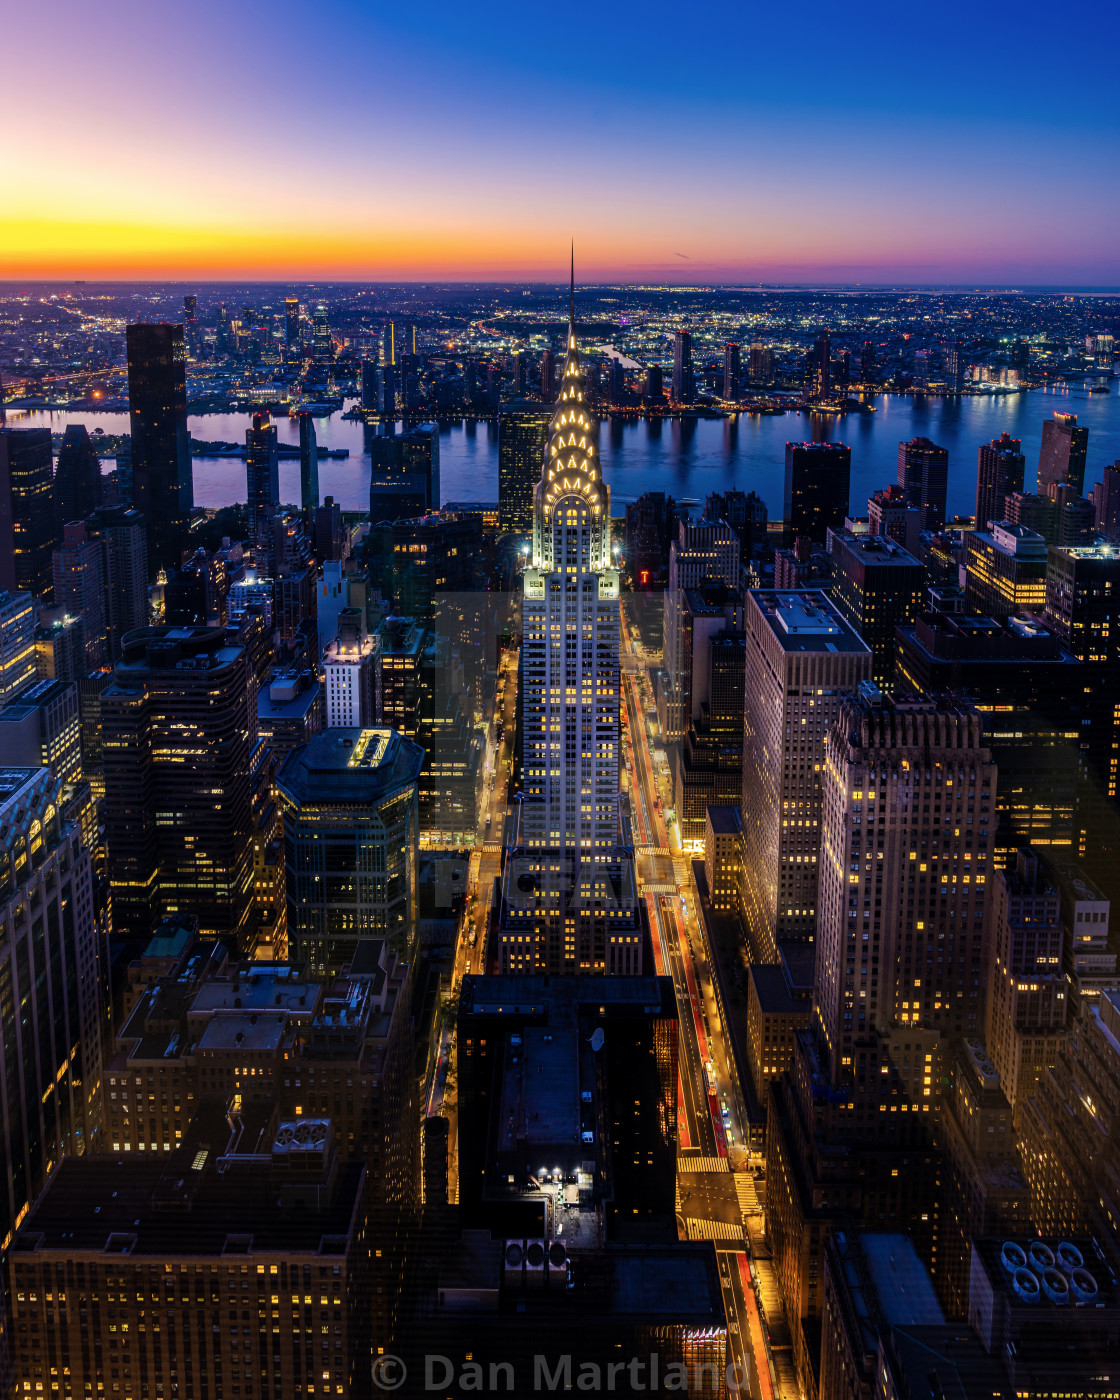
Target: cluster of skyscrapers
270, 1115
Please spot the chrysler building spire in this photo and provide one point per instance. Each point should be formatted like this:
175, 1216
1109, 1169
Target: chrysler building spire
570, 477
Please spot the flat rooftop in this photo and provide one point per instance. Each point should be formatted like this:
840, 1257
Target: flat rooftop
906, 1295
123, 1205
248, 1033
806, 620
540, 1089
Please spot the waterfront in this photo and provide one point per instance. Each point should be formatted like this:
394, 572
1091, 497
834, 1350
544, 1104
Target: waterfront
687, 458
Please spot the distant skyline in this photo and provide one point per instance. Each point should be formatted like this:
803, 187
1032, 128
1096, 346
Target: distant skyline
343, 142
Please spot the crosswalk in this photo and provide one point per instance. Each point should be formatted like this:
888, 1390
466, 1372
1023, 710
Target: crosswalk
713, 1230
688, 1162
747, 1193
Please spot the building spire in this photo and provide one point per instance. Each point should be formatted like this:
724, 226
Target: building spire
572, 295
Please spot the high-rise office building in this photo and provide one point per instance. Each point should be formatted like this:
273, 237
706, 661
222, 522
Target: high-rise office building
60, 648
923, 473
820, 364
1061, 458
190, 324
867, 365
817, 489
351, 834
351, 665
43, 728
903, 942
1106, 502
52, 1015
162, 475
522, 434
1032, 692
370, 374
77, 477
705, 551
331, 539
245, 1210
684, 380
179, 731
1027, 991
291, 322
28, 526
761, 364
125, 539
17, 644
570, 675
801, 656
1005, 571
404, 477
655, 383
999, 474
731, 371
322, 349
262, 480
308, 463
890, 513
80, 587
878, 587
548, 376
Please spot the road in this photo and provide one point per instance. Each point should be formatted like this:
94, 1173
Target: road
711, 1202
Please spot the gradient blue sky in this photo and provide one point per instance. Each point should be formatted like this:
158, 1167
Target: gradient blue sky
787, 142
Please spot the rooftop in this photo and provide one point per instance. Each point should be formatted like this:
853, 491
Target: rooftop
351, 766
806, 620
183, 1205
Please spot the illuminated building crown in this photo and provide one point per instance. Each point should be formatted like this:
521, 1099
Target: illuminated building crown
570, 474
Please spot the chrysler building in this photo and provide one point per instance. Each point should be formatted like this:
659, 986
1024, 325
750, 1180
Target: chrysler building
568, 895
569, 673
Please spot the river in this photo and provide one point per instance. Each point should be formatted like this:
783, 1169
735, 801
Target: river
687, 458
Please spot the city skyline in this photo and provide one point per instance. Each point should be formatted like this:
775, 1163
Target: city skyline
745, 159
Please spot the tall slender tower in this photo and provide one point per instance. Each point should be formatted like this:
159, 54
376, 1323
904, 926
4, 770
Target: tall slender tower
571, 674
569, 900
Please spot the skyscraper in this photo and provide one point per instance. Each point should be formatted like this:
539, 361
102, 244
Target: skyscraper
17, 644
262, 479
548, 376
901, 929
179, 731
731, 367
1027, 987
77, 477
404, 475
28, 528
821, 366
522, 434
801, 656
351, 665
684, 380
308, 463
80, 587
817, 487
570, 664
350, 805
291, 322
923, 473
162, 476
999, 474
191, 328
705, 551
867, 368
322, 351
1106, 502
125, 540
1061, 458
878, 586
51, 1016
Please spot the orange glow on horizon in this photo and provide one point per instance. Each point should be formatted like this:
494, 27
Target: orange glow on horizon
64, 249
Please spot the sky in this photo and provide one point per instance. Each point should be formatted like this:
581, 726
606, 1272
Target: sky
741, 143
